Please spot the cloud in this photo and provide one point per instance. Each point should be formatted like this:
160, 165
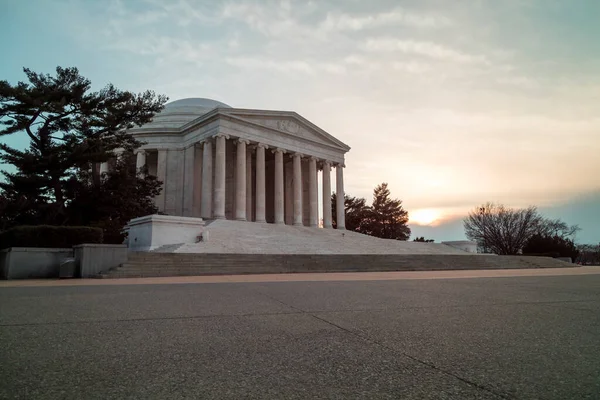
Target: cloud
335, 21
411, 67
164, 46
286, 66
426, 49
270, 20
286, 18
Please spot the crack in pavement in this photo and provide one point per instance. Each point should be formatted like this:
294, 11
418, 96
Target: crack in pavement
101, 321
368, 339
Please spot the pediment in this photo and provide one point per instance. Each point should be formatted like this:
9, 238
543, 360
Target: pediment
288, 123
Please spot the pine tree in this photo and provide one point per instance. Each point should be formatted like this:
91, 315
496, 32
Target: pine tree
356, 211
71, 130
389, 219
385, 218
122, 195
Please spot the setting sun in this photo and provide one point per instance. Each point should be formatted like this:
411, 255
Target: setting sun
426, 216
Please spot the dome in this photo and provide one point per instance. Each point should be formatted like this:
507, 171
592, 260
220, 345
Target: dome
179, 112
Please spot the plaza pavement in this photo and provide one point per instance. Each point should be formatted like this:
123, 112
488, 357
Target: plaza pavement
521, 334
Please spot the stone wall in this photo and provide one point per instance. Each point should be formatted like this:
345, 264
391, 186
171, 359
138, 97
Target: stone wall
93, 259
32, 262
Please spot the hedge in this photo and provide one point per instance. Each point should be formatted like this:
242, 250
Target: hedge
49, 236
553, 254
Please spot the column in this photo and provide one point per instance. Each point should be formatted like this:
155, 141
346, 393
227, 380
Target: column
260, 183
140, 160
327, 195
340, 208
161, 175
207, 180
313, 192
197, 181
240, 180
297, 163
220, 165
279, 186
249, 189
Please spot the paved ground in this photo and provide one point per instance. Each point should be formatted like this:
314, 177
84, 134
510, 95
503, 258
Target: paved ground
494, 337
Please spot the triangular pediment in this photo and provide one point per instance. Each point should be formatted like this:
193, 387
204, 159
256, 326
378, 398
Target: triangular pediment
288, 123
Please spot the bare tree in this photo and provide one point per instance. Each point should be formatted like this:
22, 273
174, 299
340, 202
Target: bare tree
556, 227
502, 230
589, 254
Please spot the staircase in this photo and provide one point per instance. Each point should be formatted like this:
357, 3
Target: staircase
152, 264
226, 236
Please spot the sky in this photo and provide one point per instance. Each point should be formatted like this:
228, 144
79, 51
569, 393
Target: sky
452, 103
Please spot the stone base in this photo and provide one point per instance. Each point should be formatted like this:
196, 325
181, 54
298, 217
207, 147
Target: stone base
153, 231
32, 262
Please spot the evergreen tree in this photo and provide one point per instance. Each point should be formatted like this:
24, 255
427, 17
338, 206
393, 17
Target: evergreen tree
122, 195
71, 130
389, 219
385, 218
357, 213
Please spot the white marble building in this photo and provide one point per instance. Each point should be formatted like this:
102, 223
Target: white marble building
219, 162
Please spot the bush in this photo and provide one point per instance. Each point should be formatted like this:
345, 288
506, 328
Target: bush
553, 254
556, 245
49, 236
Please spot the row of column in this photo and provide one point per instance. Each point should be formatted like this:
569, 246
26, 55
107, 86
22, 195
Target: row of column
213, 198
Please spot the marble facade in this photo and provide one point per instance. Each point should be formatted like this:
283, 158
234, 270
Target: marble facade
219, 162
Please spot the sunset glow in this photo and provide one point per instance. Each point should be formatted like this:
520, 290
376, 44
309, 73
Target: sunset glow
426, 216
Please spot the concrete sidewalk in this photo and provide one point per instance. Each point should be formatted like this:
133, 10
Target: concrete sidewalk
372, 336
310, 277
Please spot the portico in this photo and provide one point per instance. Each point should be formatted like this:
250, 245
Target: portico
218, 162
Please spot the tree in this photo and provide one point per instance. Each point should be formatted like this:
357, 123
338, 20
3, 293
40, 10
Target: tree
423, 240
71, 130
385, 218
357, 212
122, 196
589, 254
553, 246
388, 218
505, 231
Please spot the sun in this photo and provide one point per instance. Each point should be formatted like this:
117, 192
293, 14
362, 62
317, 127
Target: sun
425, 216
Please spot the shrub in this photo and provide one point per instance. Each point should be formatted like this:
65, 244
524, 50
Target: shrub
49, 236
555, 245
553, 254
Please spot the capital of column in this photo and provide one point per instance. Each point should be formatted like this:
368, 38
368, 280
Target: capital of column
140, 151
325, 165
300, 155
279, 150
218, 135
264, 146
242, 140
313, 158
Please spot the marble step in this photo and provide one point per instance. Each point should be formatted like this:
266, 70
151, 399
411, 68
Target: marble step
177, 265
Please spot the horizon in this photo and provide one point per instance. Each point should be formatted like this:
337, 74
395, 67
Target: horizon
453, 105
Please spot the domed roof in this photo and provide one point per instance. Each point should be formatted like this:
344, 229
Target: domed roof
179, 112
